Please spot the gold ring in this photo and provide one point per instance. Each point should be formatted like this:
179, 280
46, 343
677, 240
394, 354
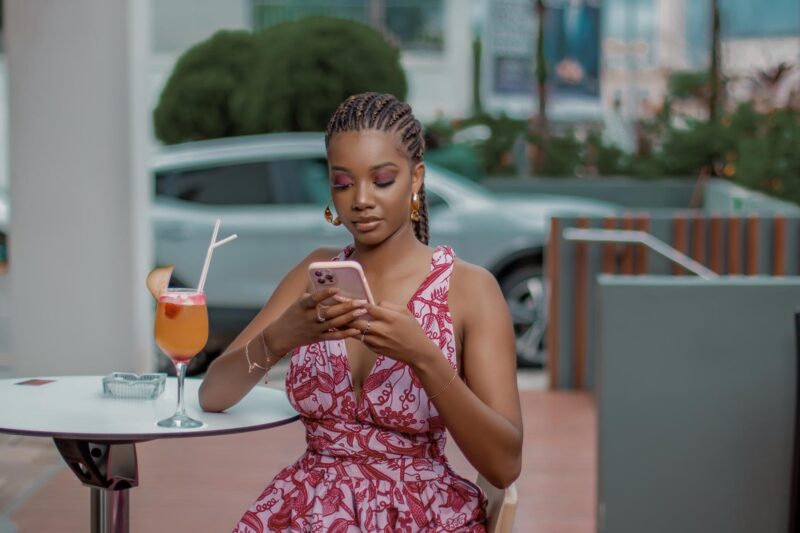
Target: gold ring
320, 319
366, 329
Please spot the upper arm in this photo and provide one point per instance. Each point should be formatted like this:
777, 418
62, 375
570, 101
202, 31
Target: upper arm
488, 351
292, 287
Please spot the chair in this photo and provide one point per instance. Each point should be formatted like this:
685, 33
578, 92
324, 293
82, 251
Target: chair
501, 508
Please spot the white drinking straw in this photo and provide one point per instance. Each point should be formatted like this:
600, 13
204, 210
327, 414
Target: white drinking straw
214, 244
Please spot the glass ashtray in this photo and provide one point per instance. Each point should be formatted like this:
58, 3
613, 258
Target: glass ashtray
134, 386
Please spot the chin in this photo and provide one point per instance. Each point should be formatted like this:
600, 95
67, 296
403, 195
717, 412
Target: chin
369, 239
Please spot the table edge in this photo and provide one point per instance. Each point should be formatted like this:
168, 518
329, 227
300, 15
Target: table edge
142, 437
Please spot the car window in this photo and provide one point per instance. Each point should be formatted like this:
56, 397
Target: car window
434, 200
281, 181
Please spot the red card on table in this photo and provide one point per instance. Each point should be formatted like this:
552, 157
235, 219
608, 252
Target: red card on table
35, 382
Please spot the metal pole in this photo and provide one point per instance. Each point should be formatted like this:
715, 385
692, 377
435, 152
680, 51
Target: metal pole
110, 510
641, 237
110, 470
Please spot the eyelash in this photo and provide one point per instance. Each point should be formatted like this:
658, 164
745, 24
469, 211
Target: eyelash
380, 184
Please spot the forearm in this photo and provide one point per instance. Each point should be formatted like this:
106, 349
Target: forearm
489, 441
230, 377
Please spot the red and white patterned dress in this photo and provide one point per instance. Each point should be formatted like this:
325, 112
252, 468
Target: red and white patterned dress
376, 463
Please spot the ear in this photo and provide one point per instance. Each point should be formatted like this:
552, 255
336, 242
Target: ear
417, 177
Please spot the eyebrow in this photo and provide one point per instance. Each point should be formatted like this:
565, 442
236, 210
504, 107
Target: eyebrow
374, 167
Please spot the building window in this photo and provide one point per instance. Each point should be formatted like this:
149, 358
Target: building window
416, 24
413, 24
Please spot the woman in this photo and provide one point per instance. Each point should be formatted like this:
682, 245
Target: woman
377, 396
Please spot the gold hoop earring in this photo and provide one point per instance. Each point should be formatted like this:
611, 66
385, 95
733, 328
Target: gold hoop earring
329, 216
415, 207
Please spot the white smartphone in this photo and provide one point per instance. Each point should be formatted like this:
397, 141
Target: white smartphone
347, 276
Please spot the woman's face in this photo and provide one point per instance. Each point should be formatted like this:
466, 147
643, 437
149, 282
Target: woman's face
372, 181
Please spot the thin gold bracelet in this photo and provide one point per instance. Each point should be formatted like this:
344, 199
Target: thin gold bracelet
250, 364
455, 373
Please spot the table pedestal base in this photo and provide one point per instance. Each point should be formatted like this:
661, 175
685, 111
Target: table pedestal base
110, 510
109, 470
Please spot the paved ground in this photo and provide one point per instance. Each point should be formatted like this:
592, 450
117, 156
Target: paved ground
205, 484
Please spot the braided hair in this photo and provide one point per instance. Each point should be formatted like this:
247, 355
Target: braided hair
384, 112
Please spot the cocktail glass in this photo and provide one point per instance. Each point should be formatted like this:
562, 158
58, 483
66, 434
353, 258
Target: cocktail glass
181, 331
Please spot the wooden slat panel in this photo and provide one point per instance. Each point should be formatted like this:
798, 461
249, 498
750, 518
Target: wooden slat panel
779, 246
629, 249
642, 252
735, 246
553, 265
679, 241
715, 253
609, 252
752, 246
581, 330
699, 239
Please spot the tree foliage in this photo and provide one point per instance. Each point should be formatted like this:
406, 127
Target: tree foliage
288, 77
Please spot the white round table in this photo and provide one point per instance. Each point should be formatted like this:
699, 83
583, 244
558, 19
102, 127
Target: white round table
97, 434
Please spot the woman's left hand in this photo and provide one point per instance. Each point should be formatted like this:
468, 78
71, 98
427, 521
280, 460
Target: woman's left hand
393, 331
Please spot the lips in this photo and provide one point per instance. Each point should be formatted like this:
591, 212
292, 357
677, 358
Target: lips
366, 224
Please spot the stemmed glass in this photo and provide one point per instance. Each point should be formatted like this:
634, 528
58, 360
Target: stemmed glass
181, 331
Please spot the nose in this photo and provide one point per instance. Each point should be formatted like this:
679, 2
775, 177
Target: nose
363, 198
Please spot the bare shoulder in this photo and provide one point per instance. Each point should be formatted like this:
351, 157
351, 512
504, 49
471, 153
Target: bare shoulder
478, 308
472, 281
474, 294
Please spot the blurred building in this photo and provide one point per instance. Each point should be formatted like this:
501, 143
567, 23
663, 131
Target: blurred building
571, 39
645, 41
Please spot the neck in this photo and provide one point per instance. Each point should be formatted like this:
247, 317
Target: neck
392, 252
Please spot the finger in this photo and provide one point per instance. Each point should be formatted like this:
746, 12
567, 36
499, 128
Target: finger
319, 296
346, 318
334, 311
378, 311
340, 334
361, 325
307, 301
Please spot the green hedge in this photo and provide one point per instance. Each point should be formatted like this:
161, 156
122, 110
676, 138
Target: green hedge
289, 77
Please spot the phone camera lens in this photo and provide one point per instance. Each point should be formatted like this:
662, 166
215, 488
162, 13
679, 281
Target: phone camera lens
329, 277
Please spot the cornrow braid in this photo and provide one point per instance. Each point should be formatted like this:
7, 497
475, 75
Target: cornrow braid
384, 112
421, 227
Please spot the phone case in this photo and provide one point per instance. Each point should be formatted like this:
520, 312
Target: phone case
347, 276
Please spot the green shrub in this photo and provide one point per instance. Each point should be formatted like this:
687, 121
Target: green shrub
289, 77
308, 67
195, 104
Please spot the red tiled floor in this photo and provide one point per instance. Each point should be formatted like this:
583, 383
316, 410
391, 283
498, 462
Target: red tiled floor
205, 484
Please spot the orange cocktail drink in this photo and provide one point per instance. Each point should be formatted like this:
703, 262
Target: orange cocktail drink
181, 327
181, 331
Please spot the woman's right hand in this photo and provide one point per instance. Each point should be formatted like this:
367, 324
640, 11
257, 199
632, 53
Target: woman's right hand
300, 324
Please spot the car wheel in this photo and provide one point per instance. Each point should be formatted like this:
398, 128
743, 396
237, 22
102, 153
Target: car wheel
523, 289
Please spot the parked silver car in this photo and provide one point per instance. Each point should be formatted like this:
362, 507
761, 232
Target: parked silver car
271, 190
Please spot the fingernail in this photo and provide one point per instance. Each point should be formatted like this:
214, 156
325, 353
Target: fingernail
359, 312
338, 298
361, 302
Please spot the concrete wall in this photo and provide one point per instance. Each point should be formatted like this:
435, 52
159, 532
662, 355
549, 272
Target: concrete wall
669, 193
622, 191
696, 400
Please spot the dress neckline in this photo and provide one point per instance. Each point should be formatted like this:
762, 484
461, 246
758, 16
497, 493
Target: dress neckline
358, 398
